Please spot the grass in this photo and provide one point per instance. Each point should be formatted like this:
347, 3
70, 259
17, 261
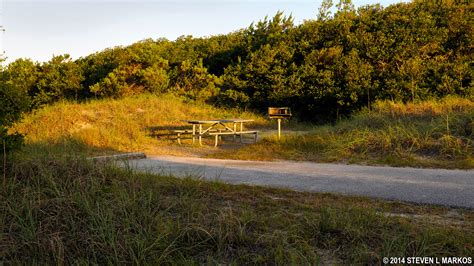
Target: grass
426, 134
106, 126
58, 210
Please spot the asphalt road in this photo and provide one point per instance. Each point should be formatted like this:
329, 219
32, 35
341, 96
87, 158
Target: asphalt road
429, 186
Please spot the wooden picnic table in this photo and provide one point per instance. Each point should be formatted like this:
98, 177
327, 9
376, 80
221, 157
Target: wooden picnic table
211, 127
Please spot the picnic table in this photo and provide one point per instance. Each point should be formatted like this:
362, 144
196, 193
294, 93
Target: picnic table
216, 128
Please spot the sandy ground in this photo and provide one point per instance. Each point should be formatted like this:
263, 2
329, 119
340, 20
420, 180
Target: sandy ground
453, 188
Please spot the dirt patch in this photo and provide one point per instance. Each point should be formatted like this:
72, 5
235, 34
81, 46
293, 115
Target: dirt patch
78, 126
450, 218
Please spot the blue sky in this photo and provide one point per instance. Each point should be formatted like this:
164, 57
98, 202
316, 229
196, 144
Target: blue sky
37, 29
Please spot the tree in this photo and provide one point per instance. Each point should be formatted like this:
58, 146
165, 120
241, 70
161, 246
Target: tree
155, 78
325, 10
22, 74
268, 31
412, 71
345, 6
322, 68
125, 80
60, 78
13, 102
194, 82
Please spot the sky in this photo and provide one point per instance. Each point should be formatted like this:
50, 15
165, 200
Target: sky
39, 29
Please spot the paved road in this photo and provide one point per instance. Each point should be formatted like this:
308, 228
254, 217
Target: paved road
432, 186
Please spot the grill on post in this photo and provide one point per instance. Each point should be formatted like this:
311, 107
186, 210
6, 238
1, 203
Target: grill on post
279, 113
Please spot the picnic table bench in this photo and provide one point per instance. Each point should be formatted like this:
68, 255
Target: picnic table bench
217, 129
180, 132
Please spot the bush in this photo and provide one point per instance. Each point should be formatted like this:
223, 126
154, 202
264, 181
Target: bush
13, 102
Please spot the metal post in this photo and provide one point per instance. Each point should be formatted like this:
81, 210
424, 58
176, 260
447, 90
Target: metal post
279, 128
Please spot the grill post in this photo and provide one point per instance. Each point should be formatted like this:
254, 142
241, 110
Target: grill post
279, 128
279, 113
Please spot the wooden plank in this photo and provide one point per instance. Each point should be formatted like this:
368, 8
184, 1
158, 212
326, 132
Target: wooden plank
222, 133
233, 133
246, 132
212, 121
201, 122
237, 120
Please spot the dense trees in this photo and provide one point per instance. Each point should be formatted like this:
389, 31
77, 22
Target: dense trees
14, 100
323, 68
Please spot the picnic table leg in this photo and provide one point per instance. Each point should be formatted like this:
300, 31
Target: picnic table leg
179, 138
217, 140
241, 130
200, 135
194, 133
256, 135
235, 129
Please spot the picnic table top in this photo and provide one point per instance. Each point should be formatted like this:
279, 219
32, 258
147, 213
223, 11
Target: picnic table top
237, 120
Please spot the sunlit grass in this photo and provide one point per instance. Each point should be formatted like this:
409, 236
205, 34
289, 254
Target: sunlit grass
118, 125
425, 134
437, 133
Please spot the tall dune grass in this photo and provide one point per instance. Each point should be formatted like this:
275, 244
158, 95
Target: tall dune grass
426, 134
120, 125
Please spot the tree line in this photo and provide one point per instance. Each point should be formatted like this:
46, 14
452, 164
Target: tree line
339, 62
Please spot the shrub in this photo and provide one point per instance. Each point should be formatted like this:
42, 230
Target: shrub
13, 102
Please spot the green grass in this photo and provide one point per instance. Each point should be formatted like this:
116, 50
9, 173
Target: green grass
108, 125
68, 210
426, 134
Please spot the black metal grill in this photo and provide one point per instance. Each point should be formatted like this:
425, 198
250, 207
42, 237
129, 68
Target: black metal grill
279, 112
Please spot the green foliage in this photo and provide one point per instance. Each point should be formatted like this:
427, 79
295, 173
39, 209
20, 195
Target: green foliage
268, 32
60, 78
324, 10
333, 66
22, 74
9, 141
155, 78
194, 82
118, 83
324, 68
13, 102
234, 98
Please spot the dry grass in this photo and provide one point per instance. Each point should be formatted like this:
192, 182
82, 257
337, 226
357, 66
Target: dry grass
426, 134
127, 124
